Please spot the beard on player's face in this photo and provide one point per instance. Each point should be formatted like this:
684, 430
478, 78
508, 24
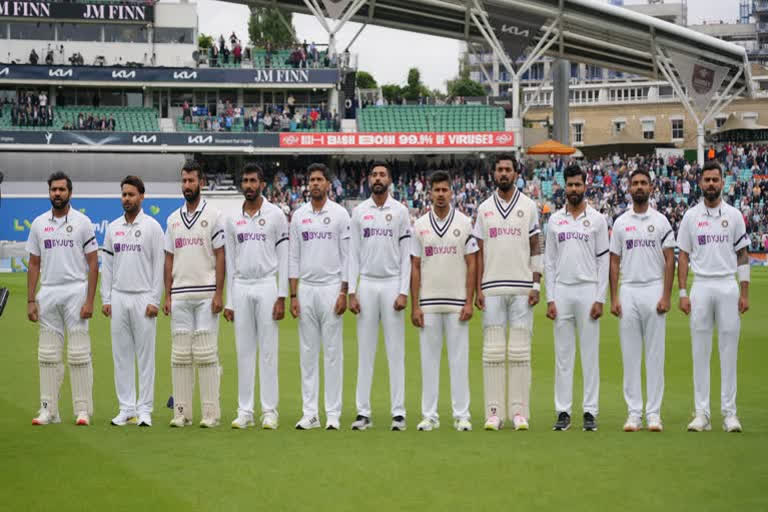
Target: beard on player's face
191, 194
59, 202
251, 194
640, 196
504, 184
131, 207
575, 198
712, 193
317, 193
378, 188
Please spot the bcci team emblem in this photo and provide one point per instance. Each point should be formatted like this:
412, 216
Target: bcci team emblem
520, 213
262, 222
389, 217
456, 233
327, 220
138, 233
204, 223
69, 229
725, 223
651, 229
587, 223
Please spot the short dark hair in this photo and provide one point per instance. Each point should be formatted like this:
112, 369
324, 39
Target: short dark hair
135, 181
641, 170
712, 165
439, 177
505, 156
192, 166
253, 167
318, 167
60, 175
573, 171
379, 163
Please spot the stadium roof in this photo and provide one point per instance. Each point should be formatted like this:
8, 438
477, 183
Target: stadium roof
589, 32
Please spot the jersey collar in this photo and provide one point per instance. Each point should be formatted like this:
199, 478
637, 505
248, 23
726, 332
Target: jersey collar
441, 231
505, 210
138, 219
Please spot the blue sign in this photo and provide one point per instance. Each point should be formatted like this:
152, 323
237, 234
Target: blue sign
17, 213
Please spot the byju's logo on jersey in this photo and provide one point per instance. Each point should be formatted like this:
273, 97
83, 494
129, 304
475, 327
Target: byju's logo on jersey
713, 239
256, 237
633, 244
371, 232
188, 242
500, 232
127, 247
436, 250
565, 236
54, 243
316, 235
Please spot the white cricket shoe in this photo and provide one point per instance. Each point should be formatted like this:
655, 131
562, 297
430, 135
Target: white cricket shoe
333, 424
463, 425
654, 423
123, 418
398, 424
180, 421
520, 422
242, 421
633, 424
361, 423
82, 420
44, 417
145, 419
731, 423
269, 421
493, 423
209, 422
428, 425
700, 424
308, 423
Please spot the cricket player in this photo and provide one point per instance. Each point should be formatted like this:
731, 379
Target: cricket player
194, 282
131, 291
443, 277
379, 254
576, 273
713, 238
63, 243
643, 251
509, 272
318, 252
256, 251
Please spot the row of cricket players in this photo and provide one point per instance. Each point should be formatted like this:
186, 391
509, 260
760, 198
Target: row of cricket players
325, 262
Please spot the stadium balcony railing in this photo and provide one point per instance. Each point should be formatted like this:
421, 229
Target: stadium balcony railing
127, 119
239, 126
279, 59
426, 118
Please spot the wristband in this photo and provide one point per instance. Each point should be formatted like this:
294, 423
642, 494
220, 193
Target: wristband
683, 293
743, 272
537, 287
31, 301
293, 295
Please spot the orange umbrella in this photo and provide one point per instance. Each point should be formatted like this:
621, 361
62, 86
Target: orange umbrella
551, 147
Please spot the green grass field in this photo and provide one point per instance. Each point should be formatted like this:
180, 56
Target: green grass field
63, 467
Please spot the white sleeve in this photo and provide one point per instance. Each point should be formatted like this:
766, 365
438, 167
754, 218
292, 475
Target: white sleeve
477, 230
405, 254
281, 248
603, 260
533, 227
617, 243
158, 265
667, 235
470, 246
33, 242
550, 262
684, 235
740, 237
354, 253
168, 237
88, 238
294, 248
107, 257
229, 258
217, 236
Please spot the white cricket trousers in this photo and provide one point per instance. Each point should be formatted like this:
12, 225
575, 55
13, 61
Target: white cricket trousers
456, 333
715, 301
256, 332
573, 303
641, 324
320, 327
377, 299
133, 339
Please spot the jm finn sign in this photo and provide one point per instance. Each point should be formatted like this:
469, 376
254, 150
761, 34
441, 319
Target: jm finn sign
76, 11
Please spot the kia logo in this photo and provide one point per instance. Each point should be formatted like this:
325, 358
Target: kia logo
145, 139
291, 140
515, 31
123, 74
199, 139
185, 75
5, 71
60, 73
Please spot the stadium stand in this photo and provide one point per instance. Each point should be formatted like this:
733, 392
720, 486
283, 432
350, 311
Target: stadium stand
127, 119
427, 118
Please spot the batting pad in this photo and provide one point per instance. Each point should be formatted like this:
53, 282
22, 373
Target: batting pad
205, 350
81, 372
519, 372
494, 347
182, 373
51, 369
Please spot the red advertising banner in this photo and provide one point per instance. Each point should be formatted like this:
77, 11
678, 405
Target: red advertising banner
398, 140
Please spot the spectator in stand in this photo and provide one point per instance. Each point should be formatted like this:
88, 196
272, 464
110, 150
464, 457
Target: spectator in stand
80, 122
42, 99
33, 57
237, 52
186, 112
313, 115
268, 122
214, 56
111, 124
233, 39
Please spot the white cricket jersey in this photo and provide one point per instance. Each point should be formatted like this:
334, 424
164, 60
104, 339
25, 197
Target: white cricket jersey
712, 238
639, 239
319, 244
441, 246
62, 244
257, 247
379, 245
576, 251
132, 258
505, 229
192, 238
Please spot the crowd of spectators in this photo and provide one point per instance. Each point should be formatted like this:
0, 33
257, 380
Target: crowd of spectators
30, 109
231, 50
